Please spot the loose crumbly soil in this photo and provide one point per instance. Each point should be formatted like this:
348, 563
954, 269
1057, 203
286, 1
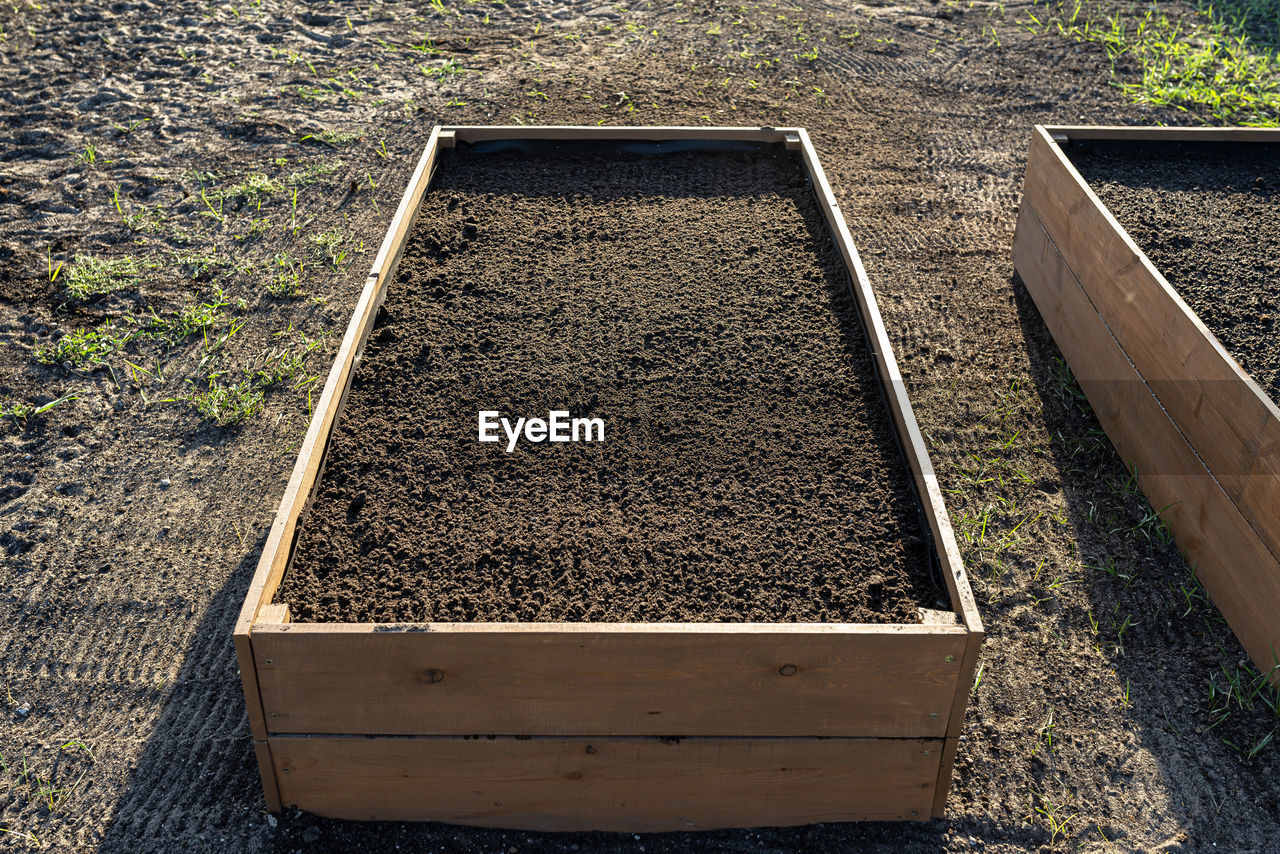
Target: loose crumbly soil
1208, 217
131, 528
695, 304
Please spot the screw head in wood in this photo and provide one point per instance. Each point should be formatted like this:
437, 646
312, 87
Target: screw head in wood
268, 661
788, 670
933, 716
951, 658
433, 675
284, 770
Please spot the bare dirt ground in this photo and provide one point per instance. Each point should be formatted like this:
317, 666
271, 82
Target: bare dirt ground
236, 166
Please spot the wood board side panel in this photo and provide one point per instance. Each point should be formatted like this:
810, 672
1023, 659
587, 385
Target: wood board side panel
1229, 421
946, 767
276, 551
484, 133
542, 681
1164, 134
267, 770
609, 784
955, 720
896, 393
1236, 567
249, 684
389, 254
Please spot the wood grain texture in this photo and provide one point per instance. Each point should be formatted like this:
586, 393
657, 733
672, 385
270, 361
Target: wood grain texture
945, 768
1237, 569
306, 471
267, 770
1226, 417
896, 393
276, 612
249, 683
619, 679
955, 720
1166, 134
628, 784
482, 133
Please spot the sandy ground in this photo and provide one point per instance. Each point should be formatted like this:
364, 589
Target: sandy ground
170, 139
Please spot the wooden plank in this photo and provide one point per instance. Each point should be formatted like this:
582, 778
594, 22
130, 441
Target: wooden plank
627, 784
1238, 571
277, 612
1226, 417
896, 393
610, 679
277, 551
1166, 134
482, 133
945, 769
267, 770
249, 682
955, 720
388, 259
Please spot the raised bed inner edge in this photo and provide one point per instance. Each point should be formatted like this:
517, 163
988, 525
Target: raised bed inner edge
1201, 436
618, 726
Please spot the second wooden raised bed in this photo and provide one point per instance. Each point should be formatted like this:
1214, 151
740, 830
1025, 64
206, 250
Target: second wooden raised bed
1199, 433
606, 726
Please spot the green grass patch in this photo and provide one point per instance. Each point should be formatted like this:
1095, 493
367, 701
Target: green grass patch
254, 188
90, 277
329, 245
20, 412
197, 265
287, 283
1221, 63
84, 349
225, 404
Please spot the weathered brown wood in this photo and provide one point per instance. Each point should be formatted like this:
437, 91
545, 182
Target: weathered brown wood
618, 679
1231, 423
388, 258
945, 769
1167, 134
917, 457
955, 719
1238, 571
249, 682
896, 393
482, 133
626, 784
279, 545
277, 612
267, 769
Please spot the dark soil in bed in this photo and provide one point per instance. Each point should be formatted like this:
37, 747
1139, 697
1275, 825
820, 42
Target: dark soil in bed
1208, 216
131, 531
693, 302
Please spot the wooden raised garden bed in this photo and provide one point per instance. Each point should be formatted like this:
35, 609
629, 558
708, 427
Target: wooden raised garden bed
1200, 433
621, 725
